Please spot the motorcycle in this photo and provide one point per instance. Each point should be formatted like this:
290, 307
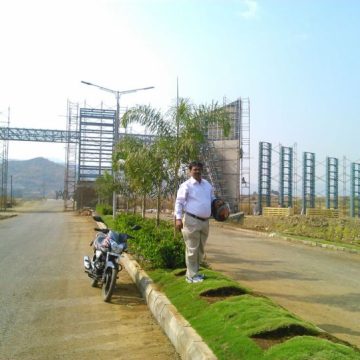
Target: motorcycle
104, 266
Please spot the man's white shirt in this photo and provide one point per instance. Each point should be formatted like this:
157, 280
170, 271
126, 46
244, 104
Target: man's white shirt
195, 198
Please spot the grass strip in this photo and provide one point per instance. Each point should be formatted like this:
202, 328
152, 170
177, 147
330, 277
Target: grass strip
234, 322
306, 347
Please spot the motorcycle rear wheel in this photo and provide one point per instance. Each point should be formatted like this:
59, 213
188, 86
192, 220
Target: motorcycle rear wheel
109, 284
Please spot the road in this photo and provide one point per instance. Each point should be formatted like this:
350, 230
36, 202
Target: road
319, 285
48, 309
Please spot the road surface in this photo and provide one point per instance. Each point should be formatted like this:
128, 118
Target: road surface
48, 309
319, 285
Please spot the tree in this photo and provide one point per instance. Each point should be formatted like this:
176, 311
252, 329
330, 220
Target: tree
104, 187
140, 166
182, 130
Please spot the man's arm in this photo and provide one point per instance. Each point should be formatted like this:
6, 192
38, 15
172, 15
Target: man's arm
179, 206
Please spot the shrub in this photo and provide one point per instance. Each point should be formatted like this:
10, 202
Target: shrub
154, 246
104, 209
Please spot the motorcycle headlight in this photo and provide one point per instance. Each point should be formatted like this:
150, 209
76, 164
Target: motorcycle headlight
117, 248
98, 253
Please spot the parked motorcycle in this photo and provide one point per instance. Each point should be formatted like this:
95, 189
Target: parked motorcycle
104, 266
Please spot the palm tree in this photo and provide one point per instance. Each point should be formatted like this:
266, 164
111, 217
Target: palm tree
182, 129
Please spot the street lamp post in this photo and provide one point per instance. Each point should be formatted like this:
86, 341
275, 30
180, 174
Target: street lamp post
117, 119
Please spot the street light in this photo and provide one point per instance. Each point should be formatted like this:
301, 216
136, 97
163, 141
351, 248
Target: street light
117, 94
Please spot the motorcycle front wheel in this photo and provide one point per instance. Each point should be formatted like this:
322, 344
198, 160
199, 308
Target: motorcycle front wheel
109, 284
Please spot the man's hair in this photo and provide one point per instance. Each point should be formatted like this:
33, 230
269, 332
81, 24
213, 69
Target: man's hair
196, 163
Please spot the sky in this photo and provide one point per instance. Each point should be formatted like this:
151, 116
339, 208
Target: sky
297, 61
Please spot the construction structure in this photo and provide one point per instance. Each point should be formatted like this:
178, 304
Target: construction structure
308, 194
227, 159
264, 176
286, 177
285, 198
89, 139
4, 151
70, 177
355, 190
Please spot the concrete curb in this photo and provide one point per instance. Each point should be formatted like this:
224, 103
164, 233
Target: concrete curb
187, 342
185, 339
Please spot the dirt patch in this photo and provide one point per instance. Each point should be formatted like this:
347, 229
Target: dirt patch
222, 293
267, 339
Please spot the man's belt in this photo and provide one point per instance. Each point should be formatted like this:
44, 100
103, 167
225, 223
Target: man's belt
195, 217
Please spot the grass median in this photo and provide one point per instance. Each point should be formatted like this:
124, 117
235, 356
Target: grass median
235, 322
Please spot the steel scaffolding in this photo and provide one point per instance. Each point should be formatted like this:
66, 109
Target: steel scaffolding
95, 143
332, 182
38, 135
286, 177
228, 159
4, 151
70, 178
264, 182
355, 190
244, 152
308, 194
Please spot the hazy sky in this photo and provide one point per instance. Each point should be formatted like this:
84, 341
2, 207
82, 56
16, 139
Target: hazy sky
297, 61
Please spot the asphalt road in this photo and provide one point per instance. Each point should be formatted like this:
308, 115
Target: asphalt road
319, 285
48, 309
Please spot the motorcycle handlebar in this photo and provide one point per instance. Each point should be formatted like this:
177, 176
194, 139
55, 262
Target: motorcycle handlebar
104, 231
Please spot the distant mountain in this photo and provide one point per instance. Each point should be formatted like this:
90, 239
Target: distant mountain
35, 178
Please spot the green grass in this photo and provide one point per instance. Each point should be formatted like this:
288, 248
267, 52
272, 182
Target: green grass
305, 348
321, 241
231, 319
230, 324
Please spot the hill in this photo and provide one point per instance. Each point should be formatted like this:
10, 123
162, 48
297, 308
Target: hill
35, 178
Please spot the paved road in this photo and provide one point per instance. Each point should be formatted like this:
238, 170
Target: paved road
319, 285
48, 309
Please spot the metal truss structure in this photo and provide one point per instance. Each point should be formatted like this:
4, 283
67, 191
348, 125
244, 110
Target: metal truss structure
96, 143
264, 182
355, 190
4, 148
70, 178
286, 177
308, 194
332, 182
41, 135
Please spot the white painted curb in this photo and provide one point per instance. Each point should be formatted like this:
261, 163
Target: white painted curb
185, 339
187, 342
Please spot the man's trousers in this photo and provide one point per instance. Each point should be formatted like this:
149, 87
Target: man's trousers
195, 233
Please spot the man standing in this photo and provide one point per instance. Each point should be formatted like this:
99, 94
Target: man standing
193, 204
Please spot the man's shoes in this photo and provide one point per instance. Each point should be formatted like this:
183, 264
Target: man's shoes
195, 279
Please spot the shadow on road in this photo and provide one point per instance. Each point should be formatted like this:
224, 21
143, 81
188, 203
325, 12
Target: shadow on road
127, 294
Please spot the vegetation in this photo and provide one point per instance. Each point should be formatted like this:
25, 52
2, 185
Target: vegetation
237, 324
153, 246
154, 169
104, 187
233, 321
344, 230
104, 209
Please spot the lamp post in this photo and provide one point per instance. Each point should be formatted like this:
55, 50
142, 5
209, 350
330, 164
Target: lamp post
117, 94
